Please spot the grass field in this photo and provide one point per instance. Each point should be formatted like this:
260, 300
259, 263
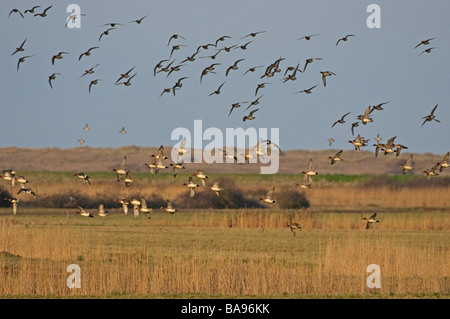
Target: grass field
224, 254
204, 252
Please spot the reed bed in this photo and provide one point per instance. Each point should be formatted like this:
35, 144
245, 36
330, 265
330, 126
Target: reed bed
55, 188
202, 252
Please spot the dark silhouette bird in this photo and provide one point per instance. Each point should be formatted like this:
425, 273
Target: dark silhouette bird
356, 124
341, 120
324, 75
22, 59
204, 46
175, 48
44, 13
250, 115
139, 21
87, 53
89, 71
424, 42
15, 11
212, 57
292, 77
190, 58
222, 38
427, 50
111, 24
260, 86
345, 38
235, 105
253, 34
252, 69
255, 102
125, 75
207, 70
175, 36
307, 91
307, 37
174, 69
378, 107
166, 90
93, 82
430, 117
310, 60
218, 90
244, 46
178, 84
233, 67
128, 81
106, 32
58, 56
20, 48
159, 66
51, 78
32, 10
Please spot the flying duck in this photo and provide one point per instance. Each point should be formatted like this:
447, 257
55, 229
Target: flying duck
336, 158
191, 185
200, 174
269, 197
83, 176
121, 170
82, 212
408, 165
169, 207
371, 220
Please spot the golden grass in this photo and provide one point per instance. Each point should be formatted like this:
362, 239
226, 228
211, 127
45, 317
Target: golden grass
227, 253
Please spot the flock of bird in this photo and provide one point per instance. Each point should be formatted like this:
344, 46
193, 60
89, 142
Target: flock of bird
169, 66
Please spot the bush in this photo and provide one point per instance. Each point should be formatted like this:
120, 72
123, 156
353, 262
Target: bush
230, 197
4, 194
287, 199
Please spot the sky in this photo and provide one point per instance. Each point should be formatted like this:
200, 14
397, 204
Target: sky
375, 65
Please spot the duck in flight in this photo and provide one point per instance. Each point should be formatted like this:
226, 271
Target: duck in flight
430, 117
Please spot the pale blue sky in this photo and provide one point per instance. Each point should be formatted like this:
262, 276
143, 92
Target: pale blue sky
377, 65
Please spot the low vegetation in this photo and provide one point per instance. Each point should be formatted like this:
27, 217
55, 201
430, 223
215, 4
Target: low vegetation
227, 246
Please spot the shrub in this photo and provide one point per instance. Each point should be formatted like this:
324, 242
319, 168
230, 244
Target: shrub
288, 199
230, 197
4, 194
